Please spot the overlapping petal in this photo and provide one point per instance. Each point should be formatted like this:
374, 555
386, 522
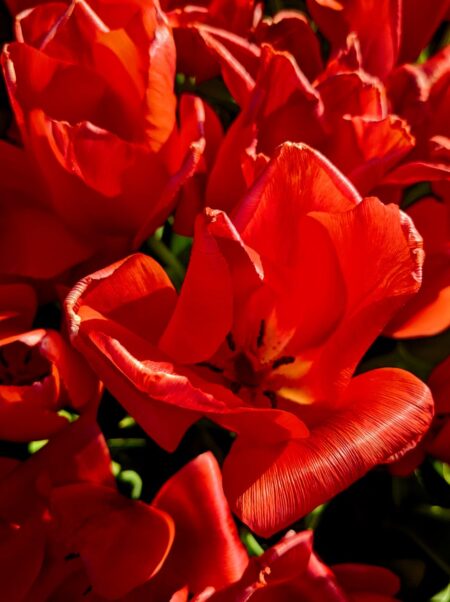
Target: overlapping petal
385, 413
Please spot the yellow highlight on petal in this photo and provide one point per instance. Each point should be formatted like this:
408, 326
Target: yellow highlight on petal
295, 370
297, 395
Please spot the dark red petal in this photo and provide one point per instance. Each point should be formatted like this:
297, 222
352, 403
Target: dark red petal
432, 220
366, 578
34, 243
21, 557
373, 146
77, 453
379, 45
439, 383
418, 25
416, 171
80, 383
288, 571
386, 412
237, 15
290, 31
122, 543
439, 445
22, 422
183, 154
17, 308
238, 80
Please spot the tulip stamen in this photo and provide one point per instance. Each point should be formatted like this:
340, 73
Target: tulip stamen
235, 387
3, 360
211, 367
283, 361
230, 342
261, 333
71, 556
88, 590
27, 357
271, 396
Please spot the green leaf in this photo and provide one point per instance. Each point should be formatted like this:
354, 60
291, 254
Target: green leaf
442, 596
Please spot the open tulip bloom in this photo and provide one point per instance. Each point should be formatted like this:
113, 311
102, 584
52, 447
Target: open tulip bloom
280, 302
224, 300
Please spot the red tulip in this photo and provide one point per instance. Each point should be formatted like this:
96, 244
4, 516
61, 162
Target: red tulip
226, 24
77, 453
344, 114
420, 94
32, 561
130, 551
390, 31
291, 31
276, 310
122, 543
92, 92
290, 570
39, 375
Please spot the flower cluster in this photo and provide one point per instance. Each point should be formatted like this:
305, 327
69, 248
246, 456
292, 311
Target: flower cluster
224, 296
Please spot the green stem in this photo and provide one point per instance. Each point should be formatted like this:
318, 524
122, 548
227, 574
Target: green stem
250, 542
163, 253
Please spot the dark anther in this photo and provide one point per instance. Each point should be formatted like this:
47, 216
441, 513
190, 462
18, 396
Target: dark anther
210, 367
235, 387
283, 361
71, 556
28, 355
87, 590
271, 397
230, 342
261, 333
3, 360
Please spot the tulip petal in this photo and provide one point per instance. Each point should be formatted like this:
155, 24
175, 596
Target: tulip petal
22, 547
131, 292
194, 499
387, 242
379, 50
366, 578
418, 26
17, 308
81, 385
22, 422
122, 542
290, 31
299, 179
386, 412
220, 269
77, 453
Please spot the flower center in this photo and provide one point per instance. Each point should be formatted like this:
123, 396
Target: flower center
22, 365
